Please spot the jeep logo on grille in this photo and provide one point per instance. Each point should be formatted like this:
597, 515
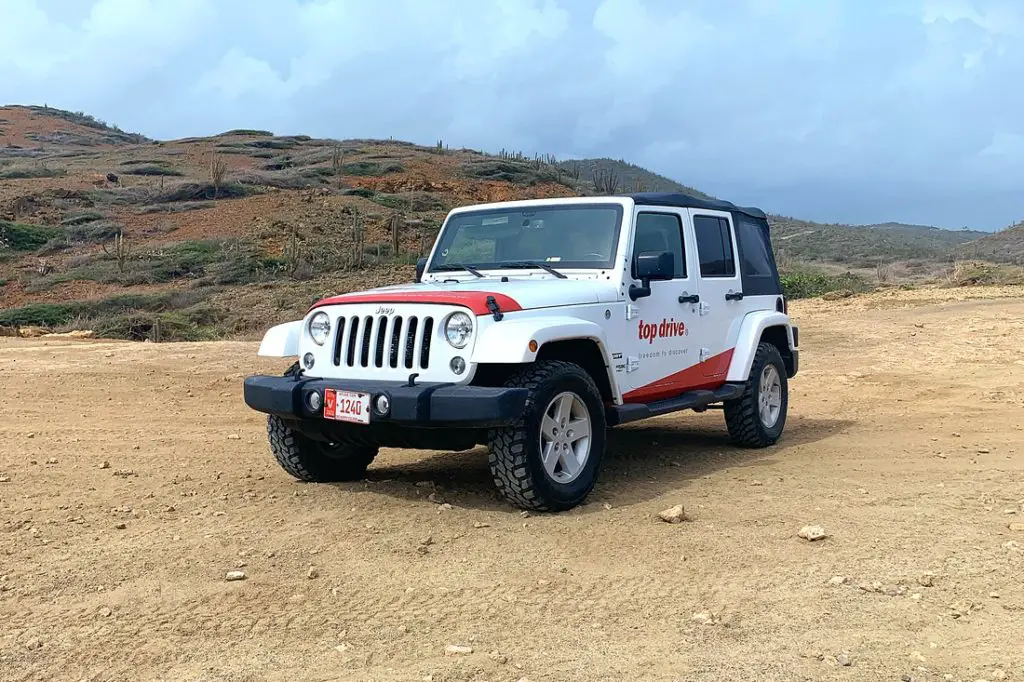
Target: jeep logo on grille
384, 310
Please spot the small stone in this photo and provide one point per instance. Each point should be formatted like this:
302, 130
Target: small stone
606, 506
444, 507
33, 644
844, 660
30, 435
1011, 545
704, 618
926, 580
837, 580
104, 464
435, 498
120, 526
498, 657
5, 479
481, 524
983, 451
457, 650
674, 514
1017, 527
916, 596
234, 575
312, 573
998, 674
234, 436
812, 533
993, 595
52, 460
105, 612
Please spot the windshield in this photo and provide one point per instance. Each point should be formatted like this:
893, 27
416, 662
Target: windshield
576, 236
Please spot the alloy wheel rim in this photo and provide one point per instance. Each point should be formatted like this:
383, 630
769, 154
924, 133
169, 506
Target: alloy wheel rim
565, 437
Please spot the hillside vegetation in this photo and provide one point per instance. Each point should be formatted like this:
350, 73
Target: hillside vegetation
224, 235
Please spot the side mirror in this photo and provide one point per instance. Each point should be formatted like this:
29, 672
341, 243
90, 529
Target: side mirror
421, 265
652, 265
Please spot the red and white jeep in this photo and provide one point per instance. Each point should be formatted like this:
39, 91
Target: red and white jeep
532, 327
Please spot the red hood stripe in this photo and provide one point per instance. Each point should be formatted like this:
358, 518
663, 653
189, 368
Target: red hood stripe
474, 300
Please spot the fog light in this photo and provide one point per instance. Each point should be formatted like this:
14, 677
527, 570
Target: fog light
315, 401
458, 365
308, 360
383, 404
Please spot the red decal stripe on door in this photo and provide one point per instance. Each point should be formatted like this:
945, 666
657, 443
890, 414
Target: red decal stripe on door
708, 374
474, 300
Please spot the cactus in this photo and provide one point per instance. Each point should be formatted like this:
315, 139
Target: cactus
358, 239
606, 181
396, 227
218, 168
337, 162
292, 252
120, 251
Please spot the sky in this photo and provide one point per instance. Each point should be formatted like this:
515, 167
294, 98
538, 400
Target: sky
855, 111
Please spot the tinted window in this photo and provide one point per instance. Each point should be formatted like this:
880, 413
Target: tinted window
714, 246
755, 258
660, 232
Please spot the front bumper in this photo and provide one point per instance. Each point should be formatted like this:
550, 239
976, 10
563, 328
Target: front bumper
424, 405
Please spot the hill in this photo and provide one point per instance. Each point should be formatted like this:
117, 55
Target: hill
222, 235
1005, 246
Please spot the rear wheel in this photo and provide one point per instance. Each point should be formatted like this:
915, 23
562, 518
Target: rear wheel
757, 418
549, 459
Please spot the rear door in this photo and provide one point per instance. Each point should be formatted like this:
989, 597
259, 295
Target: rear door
721, 307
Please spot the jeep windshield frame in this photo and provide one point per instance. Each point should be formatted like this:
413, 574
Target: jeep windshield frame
571, 236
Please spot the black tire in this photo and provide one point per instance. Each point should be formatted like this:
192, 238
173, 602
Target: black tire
515, 451
316, 461
742, 415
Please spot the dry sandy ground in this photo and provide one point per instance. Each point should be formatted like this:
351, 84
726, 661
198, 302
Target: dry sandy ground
905, 443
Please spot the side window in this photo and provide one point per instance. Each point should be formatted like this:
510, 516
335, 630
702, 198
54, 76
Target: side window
660, 232
714, 246
754, 250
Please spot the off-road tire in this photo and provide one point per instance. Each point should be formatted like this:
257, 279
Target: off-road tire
515, 458
742, 418
316, 461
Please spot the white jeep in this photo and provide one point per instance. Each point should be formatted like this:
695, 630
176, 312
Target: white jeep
532, 327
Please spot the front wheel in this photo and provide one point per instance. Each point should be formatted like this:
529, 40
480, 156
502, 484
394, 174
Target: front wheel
316, 461
756, 419
549, 459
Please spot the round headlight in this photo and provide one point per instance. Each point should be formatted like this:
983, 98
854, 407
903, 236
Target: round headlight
319, 328
458, 328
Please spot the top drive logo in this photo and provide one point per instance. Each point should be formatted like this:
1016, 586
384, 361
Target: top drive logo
667, 328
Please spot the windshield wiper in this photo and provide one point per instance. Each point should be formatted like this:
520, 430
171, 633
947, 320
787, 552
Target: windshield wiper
448, 267
534, 264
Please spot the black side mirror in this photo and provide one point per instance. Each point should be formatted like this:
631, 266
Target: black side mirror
652, 265
421, 265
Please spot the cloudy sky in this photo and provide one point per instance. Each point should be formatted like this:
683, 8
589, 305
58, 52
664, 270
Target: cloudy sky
835, 110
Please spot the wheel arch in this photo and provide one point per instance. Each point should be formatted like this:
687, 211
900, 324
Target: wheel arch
766, 326
282, 340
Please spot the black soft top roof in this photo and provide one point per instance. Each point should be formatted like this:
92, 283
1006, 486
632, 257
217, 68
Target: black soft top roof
688, 201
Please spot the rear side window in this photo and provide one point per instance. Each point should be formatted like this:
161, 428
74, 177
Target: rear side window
660, 232
757, 264
714, 246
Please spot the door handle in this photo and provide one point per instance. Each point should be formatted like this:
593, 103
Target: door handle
734, 296
689, 298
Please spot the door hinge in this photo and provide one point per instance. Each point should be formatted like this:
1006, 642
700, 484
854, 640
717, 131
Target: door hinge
705, 353
632, 364
703, 308
632, 311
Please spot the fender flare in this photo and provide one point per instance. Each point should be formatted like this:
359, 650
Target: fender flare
281, 341
507, 342
749, 336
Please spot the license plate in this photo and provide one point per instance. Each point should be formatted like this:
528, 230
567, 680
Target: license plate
347, 406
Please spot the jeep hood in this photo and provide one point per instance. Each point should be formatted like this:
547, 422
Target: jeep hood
516, 294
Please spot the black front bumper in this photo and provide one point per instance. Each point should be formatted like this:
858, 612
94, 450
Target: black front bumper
423, 405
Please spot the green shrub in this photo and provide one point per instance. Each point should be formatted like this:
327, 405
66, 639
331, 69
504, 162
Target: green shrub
153, 170
29, 172
42, 314
21, 237
811, 283
370, 169
248, 132
82, 218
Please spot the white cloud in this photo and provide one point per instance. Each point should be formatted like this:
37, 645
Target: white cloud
738, 97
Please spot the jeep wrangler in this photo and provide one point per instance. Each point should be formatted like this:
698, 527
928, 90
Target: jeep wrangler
532, 328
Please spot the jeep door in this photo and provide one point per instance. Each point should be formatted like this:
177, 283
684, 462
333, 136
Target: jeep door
656, 347
721, 306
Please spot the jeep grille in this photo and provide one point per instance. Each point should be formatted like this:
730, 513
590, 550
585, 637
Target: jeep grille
384, 341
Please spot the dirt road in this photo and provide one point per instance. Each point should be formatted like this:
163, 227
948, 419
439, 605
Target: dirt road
134, 478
